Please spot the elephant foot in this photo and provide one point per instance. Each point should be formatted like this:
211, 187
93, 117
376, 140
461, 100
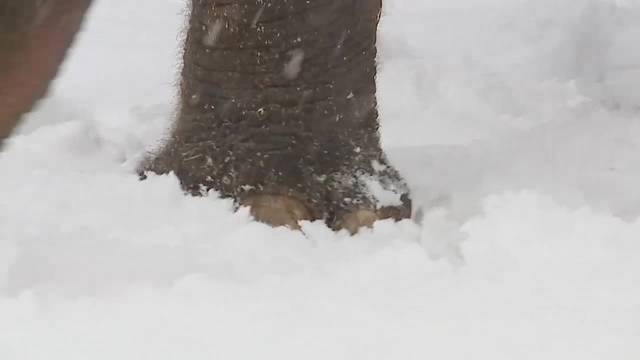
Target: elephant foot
346, 192
349, 202
366, 191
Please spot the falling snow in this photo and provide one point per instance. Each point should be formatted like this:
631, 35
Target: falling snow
294, 66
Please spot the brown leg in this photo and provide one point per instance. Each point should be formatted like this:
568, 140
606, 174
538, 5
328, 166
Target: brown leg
34, 38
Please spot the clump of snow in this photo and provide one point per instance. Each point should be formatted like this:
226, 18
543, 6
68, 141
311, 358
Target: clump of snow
508, 121
383, 195
212, 34
293, 67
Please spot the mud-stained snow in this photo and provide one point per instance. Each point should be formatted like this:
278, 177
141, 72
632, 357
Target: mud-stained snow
515, 122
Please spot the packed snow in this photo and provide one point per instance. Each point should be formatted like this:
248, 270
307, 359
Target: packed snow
516, 123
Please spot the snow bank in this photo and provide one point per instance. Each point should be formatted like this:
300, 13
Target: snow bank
523, 161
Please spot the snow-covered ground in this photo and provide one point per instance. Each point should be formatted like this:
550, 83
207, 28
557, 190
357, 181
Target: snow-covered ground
515, 121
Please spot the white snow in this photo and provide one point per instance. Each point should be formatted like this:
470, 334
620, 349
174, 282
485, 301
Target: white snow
213, 33
384, 196
294, 66
515, 122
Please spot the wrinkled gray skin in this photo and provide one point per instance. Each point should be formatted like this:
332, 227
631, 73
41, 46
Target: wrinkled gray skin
279, 97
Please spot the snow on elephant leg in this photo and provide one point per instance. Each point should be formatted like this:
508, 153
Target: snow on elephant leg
278, 110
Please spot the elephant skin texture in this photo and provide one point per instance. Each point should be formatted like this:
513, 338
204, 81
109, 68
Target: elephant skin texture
279, 97
277, 109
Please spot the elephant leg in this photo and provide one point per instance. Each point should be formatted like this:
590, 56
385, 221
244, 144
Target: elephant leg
34, 37
278, 111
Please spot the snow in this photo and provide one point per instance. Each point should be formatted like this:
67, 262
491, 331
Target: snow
213, 33
515, 122
294, 66
384, 196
